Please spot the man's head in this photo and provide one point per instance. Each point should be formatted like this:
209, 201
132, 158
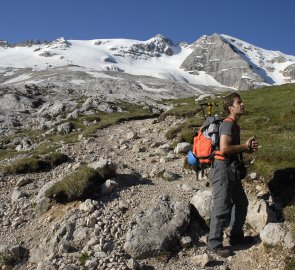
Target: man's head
232, 104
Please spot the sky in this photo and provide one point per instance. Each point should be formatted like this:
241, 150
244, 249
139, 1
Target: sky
268, 24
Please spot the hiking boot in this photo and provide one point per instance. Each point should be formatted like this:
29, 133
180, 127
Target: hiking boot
223, 251
241, 240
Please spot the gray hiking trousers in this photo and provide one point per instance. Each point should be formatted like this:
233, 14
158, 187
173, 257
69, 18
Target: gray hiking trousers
229, 203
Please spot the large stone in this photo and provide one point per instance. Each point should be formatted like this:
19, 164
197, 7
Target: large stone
259, 214
41, 194
158, 229
108, 187
289, 240
200, 260
65, 128
103, 163
17, 194
273, 234
203, 202
170, 176
87, 206
23, 181
182, 148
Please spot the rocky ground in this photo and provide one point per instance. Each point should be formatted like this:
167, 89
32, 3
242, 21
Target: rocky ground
94, 234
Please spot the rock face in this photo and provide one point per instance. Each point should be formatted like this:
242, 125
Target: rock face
203, 202
214, 55
259, 214
272, 234
157, 230
289, 72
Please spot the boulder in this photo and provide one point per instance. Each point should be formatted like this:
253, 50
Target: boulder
273, 234
200, 260
289, 240
183, 147
203, 202
103, 163
17, 194
170, 176
157, 229
259, 214
108, 187
65, 128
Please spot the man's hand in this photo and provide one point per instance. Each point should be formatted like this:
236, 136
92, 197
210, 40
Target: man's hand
252, 144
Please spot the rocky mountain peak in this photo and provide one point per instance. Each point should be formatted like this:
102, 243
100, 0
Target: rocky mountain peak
4, 44
60, 43
222, 60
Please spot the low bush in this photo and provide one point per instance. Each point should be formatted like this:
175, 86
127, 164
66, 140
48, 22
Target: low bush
78, 185
55, 158
290, 264
186, 131
35, 164
25, 165
83, 258
7, 261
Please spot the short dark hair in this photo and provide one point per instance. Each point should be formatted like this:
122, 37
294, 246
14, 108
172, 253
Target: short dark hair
229, 101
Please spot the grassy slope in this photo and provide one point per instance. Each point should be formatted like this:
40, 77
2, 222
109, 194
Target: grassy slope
270, 117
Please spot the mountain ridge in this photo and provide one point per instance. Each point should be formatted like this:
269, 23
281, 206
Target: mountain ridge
217, 60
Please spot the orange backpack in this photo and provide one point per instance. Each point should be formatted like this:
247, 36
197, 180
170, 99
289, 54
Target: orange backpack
206, 143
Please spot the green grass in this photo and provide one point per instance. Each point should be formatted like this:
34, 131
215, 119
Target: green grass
25, 165
182, 108
34, 163
78, 185
290, 264
83, 258
185, 131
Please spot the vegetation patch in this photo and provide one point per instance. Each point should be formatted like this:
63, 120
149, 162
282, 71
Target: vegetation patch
55, 158
7, 261
186, 131
34, 164
83, 258
185, 107
78, 185
290, 264
25, 165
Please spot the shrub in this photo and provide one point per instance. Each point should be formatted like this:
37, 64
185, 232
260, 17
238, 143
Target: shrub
55, 158
7, 261
25, 165
35, 164
83, 258
290, 264
186, 135
186, 131
78, 185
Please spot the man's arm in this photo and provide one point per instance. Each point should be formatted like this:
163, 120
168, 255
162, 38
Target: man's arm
227, 149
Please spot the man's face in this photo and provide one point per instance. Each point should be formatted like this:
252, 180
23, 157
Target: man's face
237, 107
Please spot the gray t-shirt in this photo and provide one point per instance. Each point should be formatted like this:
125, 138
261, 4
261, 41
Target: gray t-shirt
232, 129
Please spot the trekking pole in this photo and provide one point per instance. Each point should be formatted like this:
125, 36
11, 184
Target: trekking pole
210, 108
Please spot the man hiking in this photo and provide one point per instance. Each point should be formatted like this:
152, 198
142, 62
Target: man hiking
229, 199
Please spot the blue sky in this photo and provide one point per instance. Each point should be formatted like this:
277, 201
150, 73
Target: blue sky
265, 23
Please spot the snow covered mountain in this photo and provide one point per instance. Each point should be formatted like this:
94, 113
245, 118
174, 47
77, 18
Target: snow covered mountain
215, 61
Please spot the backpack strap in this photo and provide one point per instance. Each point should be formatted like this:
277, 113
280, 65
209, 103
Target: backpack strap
217, 153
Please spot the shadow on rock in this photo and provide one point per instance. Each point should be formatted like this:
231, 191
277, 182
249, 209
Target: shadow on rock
238, 247
282, 186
